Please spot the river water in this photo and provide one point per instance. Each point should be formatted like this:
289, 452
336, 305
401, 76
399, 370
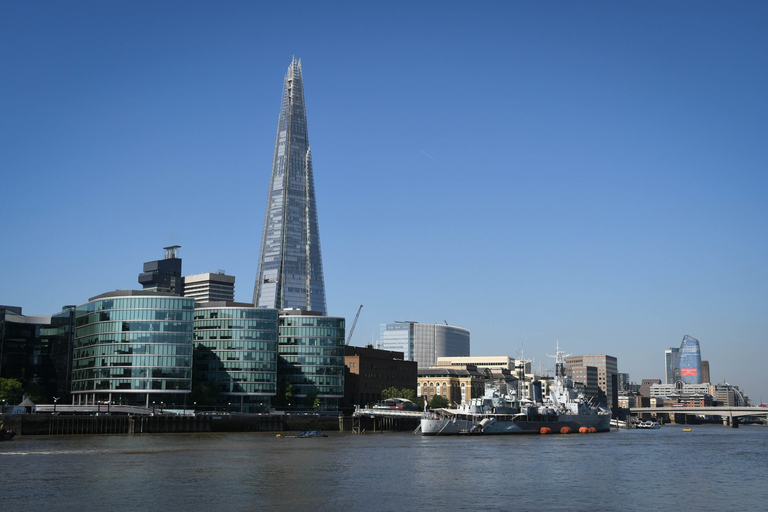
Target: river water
709, 468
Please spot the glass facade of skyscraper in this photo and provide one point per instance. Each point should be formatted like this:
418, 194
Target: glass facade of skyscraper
133, 347
290, 274
236, 347
311, 356
690, 361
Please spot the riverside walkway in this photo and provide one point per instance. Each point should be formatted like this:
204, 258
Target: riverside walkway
728, 412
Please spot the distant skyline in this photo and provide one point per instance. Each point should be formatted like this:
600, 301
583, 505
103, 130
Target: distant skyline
592, 173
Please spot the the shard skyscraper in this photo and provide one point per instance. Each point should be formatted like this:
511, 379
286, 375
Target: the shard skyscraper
290, 272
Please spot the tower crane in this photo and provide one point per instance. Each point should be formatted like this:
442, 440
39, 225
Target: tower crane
352, 329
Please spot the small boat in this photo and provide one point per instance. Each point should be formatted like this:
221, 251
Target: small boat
648, 425
312, 433
6, 435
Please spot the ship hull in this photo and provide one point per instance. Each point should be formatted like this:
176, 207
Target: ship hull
431, 426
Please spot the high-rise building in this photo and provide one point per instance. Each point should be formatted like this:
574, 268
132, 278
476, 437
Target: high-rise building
210, 287
671, 370
290, 273
163, 275
607, 373
424, 343
689, 359
705, 378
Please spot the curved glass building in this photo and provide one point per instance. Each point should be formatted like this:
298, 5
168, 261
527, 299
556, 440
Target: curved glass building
311, 355
134, 348
236, 347
689, 360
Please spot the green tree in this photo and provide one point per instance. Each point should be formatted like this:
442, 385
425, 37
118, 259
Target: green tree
393, 392
311, 401
438, 402
11, 391
36, 392
284, 395
204, 394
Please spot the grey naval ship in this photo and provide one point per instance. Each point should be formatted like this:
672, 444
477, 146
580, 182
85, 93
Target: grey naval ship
565, 410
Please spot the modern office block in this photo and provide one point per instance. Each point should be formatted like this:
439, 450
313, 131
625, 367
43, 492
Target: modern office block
424, 343
210, 287
290, 273
236, 348
671, 371
311, 355
37, 349
134, 348
689, 359
163, 275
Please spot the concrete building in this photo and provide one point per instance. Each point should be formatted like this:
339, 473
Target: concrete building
645, 386
705, 378
607, 373
210, 287
585, 378
368, 371
236, 348
424, 343
163, 275
480, 362
458, 386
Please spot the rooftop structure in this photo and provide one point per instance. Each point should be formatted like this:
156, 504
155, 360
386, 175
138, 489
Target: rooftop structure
210, 287
163, 275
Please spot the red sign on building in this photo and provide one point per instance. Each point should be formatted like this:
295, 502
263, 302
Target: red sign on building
688, 372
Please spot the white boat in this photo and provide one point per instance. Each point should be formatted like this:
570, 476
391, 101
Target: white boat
564, 410
648, 425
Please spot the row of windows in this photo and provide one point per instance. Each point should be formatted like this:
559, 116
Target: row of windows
235, 376
145, 361
236, 355
128, 349
234, 335
135, 338
312, 342
131, 373
311, 350
105, 327
268, 346
134, 314
137, 303
259, 314
132, 384
313, 331
309, 371
261, 325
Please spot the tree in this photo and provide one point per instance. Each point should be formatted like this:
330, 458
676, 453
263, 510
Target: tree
11, 391
393, 392
284, 394
311, 401
438, 402
36, 393
205, 395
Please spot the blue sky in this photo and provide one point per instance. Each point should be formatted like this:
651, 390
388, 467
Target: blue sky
591, 172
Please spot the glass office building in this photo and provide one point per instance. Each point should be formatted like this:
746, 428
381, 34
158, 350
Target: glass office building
689, 358
236, 347
134, 348
311, 355
290, 274
424, 343
671, 371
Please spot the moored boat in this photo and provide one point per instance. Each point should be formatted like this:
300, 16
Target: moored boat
564, 410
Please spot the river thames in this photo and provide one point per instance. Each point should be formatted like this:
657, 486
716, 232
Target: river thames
709, 468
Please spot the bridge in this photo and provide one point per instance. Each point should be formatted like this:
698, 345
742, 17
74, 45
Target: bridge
729, 412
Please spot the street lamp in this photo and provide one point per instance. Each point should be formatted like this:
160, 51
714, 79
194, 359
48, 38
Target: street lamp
55, 399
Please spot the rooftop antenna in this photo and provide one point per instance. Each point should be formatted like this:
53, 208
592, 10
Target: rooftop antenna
171, 250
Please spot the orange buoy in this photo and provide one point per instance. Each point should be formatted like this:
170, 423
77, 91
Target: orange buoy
592, 430
583, 430
545, 430
565, 430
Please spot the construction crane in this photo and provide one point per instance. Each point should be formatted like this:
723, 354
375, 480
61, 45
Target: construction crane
352, 329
